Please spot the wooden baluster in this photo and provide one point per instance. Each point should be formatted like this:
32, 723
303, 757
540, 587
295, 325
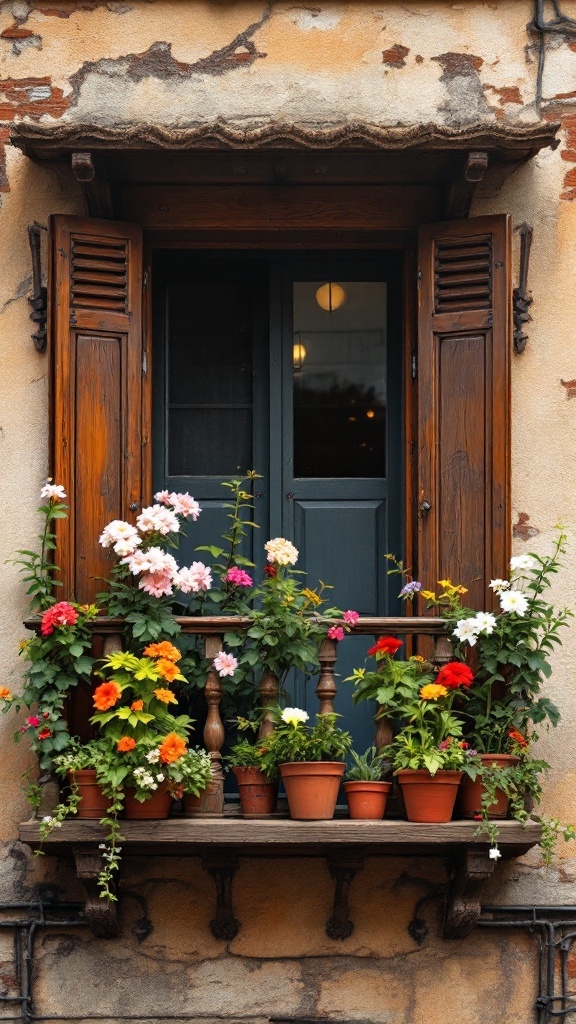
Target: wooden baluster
112, 644
384, 733
326, 689
213, 800
443, 651
269, 690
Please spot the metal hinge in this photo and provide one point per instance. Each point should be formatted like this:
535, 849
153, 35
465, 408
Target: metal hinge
414, 364
145, 279
419, 276
144, 362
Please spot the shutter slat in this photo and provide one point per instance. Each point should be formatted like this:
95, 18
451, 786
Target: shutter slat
99, 274
454, 290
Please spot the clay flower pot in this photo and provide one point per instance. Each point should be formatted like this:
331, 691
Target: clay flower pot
471, 790
367, 799
257, 794
206, 804
312, 788
428, 797
156, 806
93, 803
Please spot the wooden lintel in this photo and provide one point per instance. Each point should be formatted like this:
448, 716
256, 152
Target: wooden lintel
101, 914
461, 191
470, 870
97, 192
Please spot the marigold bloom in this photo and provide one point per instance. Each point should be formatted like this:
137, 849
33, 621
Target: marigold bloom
518, 738
125, 743
455, 674
137, 705
166, 696
167, 669
61, 614
385, 645
163, 650
433, 691
172, 748
106, 695
5, 693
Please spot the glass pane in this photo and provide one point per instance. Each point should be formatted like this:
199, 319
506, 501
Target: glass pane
339, 357
209, 442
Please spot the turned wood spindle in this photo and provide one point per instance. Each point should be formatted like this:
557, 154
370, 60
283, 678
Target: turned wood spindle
112, 644
443, 651
269, 690
214, 730
326, 689
384, 734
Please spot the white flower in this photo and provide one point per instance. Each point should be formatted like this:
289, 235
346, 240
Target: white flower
521, 563
158, 519
225, 664
118, 532
293, 716
185, 505
153, 756
498, 585
53, 492
281, 551
47, 820
160, 777
514, 601
485, 622
467, 629
194, 579
494, 853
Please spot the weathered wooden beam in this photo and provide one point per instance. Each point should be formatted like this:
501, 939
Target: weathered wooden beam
461, 191
97, 193
343, 866
470, 870
101, 914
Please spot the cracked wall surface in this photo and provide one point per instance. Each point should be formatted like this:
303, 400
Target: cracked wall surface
248, 64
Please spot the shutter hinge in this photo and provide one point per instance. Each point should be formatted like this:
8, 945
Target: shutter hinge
419, 276
145, 279
144, 362
414, 364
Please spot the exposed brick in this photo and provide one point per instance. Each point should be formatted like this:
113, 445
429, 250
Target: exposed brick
505, 93
455, 64
16, 32
394, 56
33, 97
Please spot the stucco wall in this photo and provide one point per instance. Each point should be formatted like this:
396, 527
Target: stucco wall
247, 64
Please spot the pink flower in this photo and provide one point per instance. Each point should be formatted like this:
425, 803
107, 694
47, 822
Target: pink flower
123, 536
61, 614
34, 721
158, 519
191, 581
163, 497
350, 618
185, 505
238, 577
225, 664
335, 633
157, 584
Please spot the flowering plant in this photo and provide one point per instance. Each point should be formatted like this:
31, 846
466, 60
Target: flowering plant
394, 681
294, 740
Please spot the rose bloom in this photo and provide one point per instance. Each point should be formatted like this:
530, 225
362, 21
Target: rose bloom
335, 633
106, 695
185, 505
433, 691
5, 693
158, 519
281, 551
157, 584
125, 743
167, 669
225, 664
166, 696
194, 579
137, 705
117, 531
238, 577
61, 614
455, 674
385, 645
172, 748
33, 721
164, 649
270, 571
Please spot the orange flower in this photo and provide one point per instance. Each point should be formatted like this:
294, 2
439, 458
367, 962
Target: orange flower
166, 696
125, 744
433, 691
163, 650
167, 669
172, 748
518, 738
107, 695
5, 693
137, 705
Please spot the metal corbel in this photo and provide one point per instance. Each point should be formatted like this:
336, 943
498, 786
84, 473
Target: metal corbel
39, 300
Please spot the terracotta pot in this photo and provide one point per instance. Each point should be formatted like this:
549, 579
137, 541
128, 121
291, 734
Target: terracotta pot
156, 806
202, 805
367, 799
428, 797
93, 803
470, 794
257, 794
312, 788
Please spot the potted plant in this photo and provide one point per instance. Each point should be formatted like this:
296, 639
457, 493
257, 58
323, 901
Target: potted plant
310, 760
257, 791
366, 792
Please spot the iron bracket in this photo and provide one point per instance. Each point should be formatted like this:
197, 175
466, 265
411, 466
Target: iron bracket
342, 867
222, 866
467, 874
101, 914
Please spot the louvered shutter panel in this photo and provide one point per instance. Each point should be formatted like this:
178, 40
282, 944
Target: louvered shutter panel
464, 338
98, 388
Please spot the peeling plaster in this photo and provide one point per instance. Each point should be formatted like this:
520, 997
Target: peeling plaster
394, 56
465, 100
521, 528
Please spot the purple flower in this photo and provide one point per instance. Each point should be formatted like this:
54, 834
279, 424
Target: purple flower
412, 587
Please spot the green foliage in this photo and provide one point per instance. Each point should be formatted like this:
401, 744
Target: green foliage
296, 741
37, 568
244, 754
367, 767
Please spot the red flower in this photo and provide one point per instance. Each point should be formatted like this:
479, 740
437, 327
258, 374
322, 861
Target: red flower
518, 738
455, 674
44, 734
386, 645
335, 633
61, 614
270, 571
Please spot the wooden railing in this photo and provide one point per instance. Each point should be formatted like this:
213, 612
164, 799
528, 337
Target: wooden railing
108, 634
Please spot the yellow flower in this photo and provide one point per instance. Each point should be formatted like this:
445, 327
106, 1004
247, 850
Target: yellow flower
433, 691
166, 696
428, 595
417, 657
461, 590
446, 584
311, 596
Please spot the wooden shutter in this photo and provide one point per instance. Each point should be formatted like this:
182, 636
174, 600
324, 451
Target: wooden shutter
97, 388
464, 338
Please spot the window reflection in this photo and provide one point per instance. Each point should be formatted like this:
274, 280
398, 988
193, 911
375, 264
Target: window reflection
339, 360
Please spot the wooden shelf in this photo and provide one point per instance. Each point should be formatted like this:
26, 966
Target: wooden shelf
345, 844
